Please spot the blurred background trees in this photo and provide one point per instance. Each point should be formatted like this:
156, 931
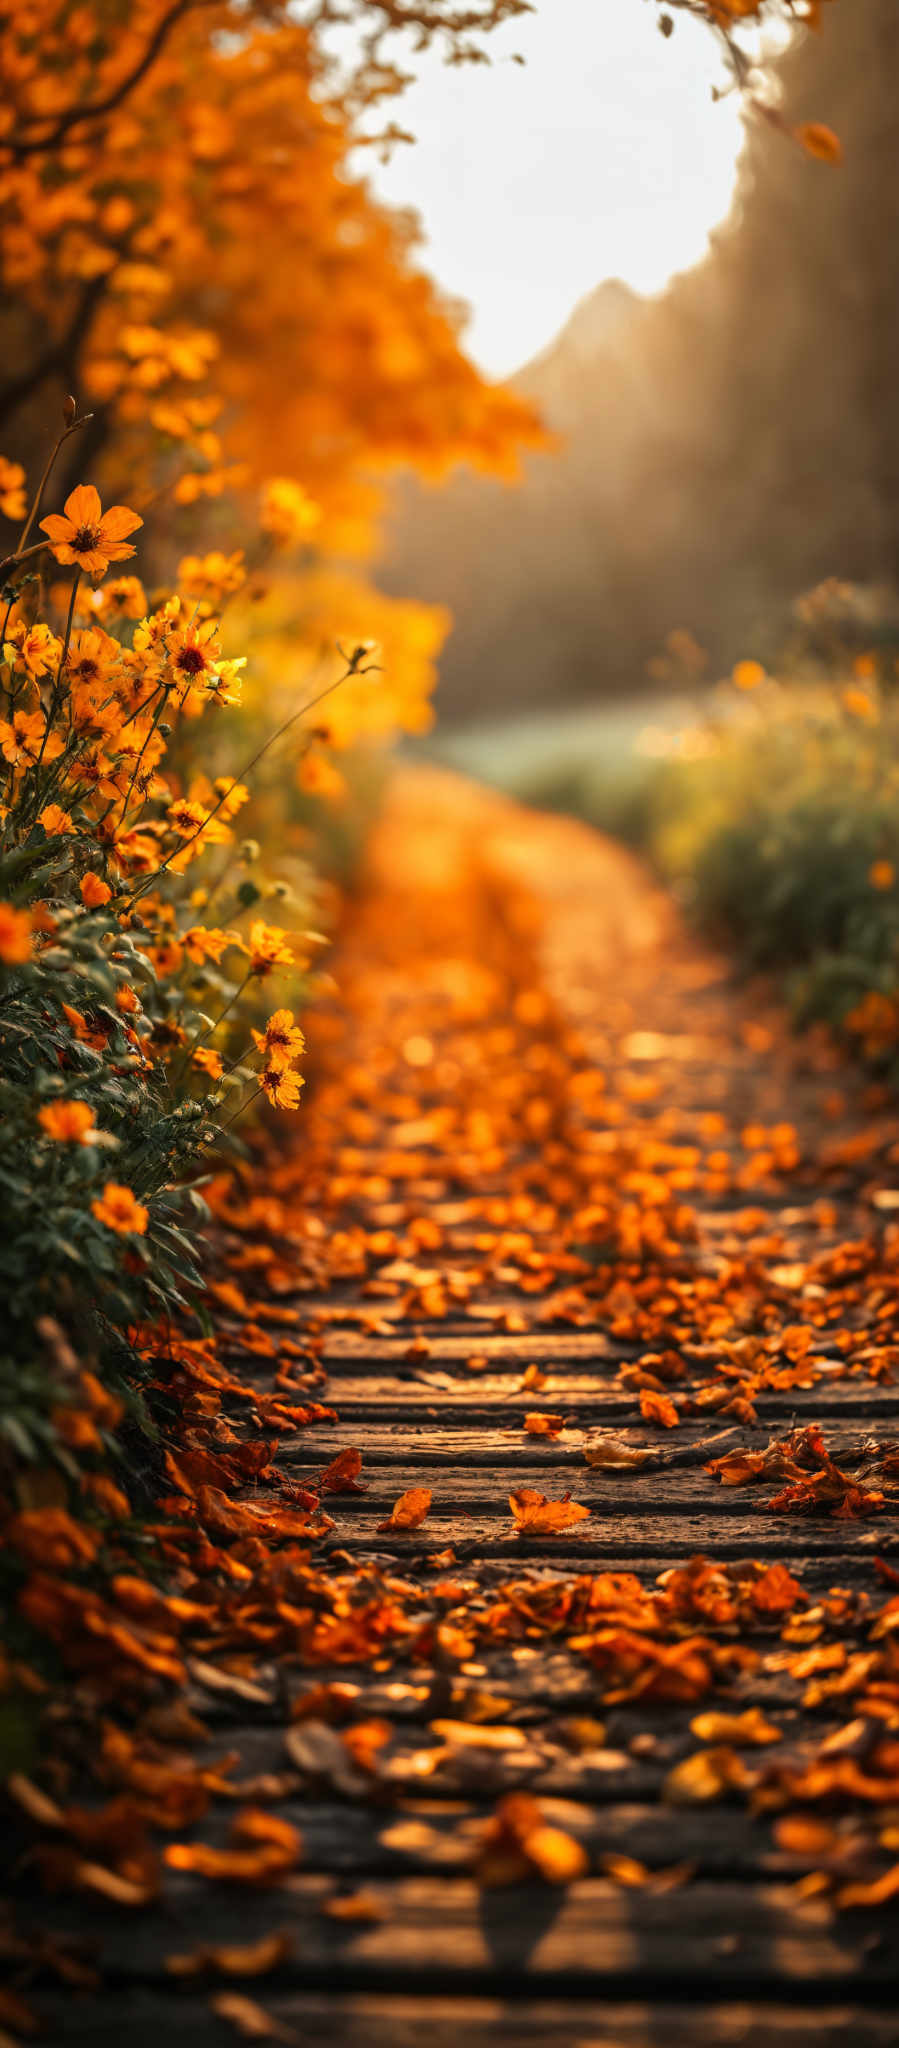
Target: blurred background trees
725, 445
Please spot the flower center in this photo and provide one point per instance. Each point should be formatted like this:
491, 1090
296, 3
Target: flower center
85, 540
191, 660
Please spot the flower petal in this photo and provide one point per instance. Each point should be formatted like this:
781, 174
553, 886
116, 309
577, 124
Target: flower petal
83, 506
118, 521
57, 527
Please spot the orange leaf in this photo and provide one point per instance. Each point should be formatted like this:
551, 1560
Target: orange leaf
820, 141
658, 1408
538, 1516
343, 1473
409, 1511
544, 1425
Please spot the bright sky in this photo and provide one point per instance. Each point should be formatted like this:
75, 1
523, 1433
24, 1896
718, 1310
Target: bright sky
604, 156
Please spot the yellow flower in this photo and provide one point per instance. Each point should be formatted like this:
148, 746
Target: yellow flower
85, 537
287, 515
881, 874
269, 948
281, 1042
281, 1087
55, 820
15, 935
118, 1208
12, 489
70, 1123
195, 651
211, 576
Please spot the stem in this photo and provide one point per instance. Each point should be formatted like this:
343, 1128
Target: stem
239, 1112
36, 501
201, 1036
246, 770
57, 687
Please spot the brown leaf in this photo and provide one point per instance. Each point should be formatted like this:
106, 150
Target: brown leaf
658, 1408
254, 1959
251, 2022
342, 1474
609, 1453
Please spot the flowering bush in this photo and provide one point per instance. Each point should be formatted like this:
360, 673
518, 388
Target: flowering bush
133, 956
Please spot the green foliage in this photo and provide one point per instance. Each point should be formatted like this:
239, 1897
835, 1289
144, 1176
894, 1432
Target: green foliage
777, 821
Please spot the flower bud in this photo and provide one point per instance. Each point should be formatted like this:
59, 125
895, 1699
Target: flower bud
69, 410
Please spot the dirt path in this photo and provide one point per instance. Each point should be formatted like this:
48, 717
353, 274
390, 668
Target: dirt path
568, 1219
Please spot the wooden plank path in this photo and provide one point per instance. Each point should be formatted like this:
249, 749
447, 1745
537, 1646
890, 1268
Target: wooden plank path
693, 1925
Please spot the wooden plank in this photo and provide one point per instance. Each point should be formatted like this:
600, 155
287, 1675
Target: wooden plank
719, 1938
480, 1490
384, 1397
434, 1836
690, 1444
634, 1530
143, 2018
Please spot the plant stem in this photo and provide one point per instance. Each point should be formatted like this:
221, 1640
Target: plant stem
57, 686
247, 769
36, 501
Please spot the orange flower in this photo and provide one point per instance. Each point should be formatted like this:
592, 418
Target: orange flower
281, 1087
748, 675
34, 647
70, 1123
15, 935
94, 891
268, 948
123, 598
281, 1042
202, 943
86, 537
120, 1211
21, 738
186, 818
12, 489
208, 1061
125, 1000
92, 653
881, 874
54, 820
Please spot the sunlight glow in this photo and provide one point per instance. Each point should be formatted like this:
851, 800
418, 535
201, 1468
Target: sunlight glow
603, 155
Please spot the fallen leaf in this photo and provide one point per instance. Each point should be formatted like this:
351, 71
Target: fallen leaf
658, 1408
518, 1842
535, 1515
342, 1475
750, 1726
409, 1511
254, 1959
608, 1453
361, 1907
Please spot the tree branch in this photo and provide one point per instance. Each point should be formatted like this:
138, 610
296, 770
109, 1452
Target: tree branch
22, 145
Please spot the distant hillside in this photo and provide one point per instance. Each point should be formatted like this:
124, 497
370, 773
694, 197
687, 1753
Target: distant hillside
723, 446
